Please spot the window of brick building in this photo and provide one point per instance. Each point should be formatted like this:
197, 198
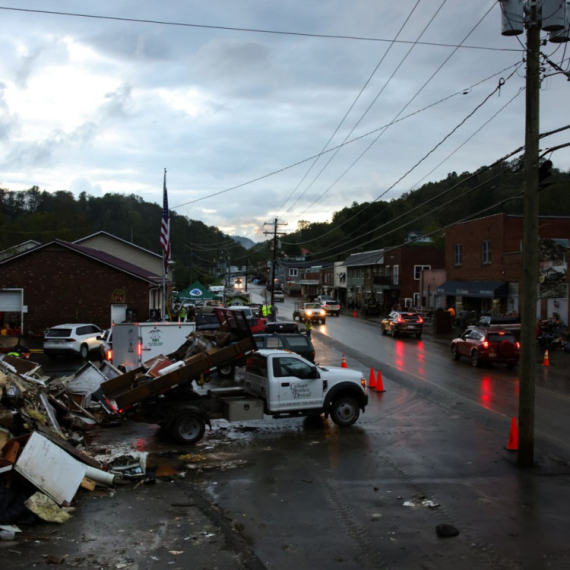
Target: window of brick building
458, 254
418, 270
486, 251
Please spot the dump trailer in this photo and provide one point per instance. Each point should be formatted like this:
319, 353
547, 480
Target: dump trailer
277, 383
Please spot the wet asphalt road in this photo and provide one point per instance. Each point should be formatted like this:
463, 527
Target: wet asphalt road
280, 494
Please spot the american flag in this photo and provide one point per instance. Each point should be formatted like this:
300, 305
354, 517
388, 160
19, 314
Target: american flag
165, 228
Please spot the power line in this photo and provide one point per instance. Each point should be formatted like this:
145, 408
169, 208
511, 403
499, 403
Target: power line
375, 99
393, 122
401, 110
247, 30
346, 115
433, 149
423, 204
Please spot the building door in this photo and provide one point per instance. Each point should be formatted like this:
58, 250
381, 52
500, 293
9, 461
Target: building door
11, 308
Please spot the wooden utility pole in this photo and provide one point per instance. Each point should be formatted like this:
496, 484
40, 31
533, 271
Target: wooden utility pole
527, 365
275, 225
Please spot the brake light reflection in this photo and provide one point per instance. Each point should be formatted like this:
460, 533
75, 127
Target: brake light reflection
139, 349
486, 392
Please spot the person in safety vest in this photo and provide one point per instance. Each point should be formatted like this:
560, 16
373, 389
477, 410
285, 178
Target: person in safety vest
308, 327
265, 310
182, 314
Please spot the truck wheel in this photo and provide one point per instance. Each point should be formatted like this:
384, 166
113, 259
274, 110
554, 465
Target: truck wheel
345, 412
226, 371
187, 428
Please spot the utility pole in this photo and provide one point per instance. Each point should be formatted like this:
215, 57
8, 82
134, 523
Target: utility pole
535, 15
527, 364
275, 225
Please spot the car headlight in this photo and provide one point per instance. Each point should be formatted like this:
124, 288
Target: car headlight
309, 313
322, 313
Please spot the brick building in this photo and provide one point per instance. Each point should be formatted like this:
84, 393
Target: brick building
61, 282
391, 276
483, 260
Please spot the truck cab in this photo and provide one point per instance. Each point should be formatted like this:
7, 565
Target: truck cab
291, 385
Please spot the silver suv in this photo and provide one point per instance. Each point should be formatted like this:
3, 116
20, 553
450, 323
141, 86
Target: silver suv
72, 340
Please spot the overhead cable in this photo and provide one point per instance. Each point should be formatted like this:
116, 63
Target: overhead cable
247, 30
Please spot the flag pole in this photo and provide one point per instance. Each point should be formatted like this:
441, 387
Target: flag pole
165, 242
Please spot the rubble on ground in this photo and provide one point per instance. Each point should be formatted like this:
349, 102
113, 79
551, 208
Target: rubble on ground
45, 452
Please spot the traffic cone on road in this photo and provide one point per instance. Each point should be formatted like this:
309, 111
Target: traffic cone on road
545, 361
343, 363
379, 383
372, 379
513, 443
354, 314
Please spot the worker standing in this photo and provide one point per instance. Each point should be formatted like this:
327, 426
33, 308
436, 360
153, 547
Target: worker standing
308, 327
182, 314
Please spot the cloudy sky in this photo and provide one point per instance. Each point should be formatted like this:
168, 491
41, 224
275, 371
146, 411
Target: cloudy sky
237, 117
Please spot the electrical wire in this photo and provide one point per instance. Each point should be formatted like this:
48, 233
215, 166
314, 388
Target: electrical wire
401, 111
346, 114
433, 149
461, 196
374, 100
247, 30
393, 122
425, 203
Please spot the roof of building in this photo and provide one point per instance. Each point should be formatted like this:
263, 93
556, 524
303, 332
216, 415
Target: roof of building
97, 255
107, 234
373, 257
304, 264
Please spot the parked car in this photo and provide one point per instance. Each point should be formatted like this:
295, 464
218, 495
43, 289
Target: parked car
481, 344
72, 340
279, 296
106, 348
282, 327
404, 323
330, 305
298, 343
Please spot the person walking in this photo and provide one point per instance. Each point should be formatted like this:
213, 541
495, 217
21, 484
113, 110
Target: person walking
273, 314
308, 327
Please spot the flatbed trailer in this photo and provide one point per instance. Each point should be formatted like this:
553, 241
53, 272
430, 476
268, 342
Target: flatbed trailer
168, 398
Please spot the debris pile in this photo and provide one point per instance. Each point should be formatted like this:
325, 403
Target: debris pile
43, 427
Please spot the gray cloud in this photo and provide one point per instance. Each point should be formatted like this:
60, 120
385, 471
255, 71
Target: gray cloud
220, 108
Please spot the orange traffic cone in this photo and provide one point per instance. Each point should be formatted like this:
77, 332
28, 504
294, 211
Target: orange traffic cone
372, 379
379, 383
354, 314
343, 363
545, 361
513, 443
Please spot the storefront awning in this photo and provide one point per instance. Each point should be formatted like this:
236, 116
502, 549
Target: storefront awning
481, 289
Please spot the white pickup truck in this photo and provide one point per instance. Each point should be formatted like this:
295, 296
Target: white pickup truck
277, 383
